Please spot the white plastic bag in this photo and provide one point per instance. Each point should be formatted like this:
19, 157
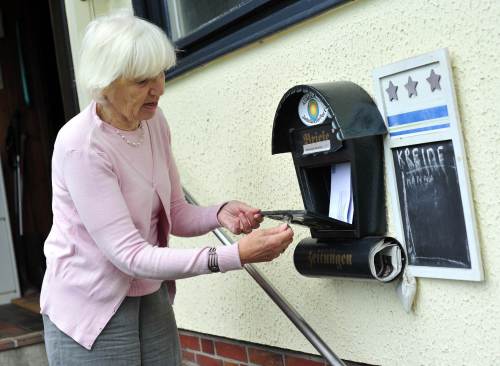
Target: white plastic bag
406, 290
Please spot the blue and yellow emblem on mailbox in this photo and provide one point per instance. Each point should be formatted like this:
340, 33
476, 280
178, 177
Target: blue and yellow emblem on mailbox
312, 111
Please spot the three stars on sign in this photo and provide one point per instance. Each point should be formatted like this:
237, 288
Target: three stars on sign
411, 86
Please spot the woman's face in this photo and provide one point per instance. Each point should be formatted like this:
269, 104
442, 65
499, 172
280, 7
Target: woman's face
134, 100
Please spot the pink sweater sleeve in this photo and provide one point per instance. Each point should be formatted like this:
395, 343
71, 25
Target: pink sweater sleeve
96, 194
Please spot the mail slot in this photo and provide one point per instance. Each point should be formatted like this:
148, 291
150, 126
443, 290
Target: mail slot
334, 132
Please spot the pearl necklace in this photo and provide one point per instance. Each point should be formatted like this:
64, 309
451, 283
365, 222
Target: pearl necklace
133, 143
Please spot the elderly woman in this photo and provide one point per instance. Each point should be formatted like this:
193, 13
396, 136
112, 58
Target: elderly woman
107, 292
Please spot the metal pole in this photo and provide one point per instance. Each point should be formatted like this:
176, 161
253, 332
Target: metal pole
279, 300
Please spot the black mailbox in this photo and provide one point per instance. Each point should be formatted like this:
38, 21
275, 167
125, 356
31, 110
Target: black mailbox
331, 128
350, 131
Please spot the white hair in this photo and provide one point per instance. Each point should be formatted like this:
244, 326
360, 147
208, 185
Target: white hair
122, 45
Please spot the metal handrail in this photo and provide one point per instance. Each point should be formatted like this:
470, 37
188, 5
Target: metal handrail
282, 303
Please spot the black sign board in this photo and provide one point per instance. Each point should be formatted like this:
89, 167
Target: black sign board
431, 205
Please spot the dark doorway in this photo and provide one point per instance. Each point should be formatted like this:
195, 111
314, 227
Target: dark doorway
35, 65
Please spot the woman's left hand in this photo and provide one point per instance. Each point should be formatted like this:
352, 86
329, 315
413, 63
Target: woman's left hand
239, 218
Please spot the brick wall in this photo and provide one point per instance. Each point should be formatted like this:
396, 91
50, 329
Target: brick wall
200, 349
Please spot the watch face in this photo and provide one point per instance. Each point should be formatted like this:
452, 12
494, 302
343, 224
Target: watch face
312, 111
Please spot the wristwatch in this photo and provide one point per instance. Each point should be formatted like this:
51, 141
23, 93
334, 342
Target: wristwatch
213, 262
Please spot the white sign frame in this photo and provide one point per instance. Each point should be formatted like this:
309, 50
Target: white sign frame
440, 61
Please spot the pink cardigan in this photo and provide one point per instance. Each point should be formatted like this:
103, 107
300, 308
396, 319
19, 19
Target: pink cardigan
101, 208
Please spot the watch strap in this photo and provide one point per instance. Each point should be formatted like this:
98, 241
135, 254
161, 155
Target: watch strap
213, 261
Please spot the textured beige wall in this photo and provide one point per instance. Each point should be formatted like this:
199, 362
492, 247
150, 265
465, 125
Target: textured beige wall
78, 15
221, 116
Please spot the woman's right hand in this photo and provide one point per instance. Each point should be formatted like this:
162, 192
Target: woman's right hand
265, 245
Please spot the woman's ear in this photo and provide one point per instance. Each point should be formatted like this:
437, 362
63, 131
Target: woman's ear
105, 93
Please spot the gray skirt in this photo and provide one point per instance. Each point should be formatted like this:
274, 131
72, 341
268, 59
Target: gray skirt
142, 332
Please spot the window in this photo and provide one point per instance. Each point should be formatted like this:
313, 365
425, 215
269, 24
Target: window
205, 29
189, 16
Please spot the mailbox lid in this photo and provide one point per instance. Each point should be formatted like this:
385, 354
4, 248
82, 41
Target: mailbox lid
354, 114
308, 219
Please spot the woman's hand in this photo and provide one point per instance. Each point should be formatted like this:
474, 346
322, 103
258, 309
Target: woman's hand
239, 218
265, 245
